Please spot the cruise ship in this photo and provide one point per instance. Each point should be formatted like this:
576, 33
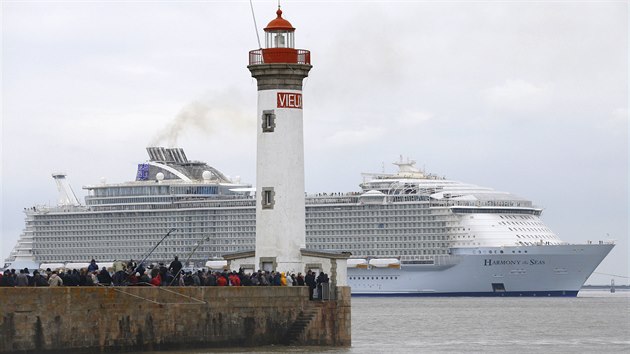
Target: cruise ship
410, 233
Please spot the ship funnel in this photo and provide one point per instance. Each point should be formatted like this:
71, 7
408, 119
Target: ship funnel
167, 155
66, 194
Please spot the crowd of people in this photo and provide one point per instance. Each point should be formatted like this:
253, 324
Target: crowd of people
134, 274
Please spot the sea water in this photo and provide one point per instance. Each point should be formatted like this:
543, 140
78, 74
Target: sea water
595, 321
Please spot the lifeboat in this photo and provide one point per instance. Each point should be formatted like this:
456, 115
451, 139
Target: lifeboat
77, 265
216, 265
357, 263
385, 262
52, 266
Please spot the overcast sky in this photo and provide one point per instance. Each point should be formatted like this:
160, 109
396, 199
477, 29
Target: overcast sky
525, 97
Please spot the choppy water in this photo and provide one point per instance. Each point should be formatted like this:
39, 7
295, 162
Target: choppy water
595, 321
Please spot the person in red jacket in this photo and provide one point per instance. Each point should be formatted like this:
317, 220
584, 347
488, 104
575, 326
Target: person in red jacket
221, 281
156, 280
234, 279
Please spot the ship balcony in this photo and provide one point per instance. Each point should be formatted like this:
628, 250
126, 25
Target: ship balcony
279, 56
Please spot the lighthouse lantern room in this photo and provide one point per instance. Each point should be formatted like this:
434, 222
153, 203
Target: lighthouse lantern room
279, 33
279, 45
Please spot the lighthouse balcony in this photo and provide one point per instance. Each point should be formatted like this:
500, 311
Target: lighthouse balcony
279, 56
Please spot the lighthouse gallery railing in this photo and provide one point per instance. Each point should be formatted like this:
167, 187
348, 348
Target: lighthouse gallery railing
279, 55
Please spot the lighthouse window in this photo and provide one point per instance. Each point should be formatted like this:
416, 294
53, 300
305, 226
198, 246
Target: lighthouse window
267, 197
268, 121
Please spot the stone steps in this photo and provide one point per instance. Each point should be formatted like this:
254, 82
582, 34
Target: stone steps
301, 323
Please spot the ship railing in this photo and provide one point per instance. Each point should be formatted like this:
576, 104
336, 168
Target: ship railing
600, 242
446, 260
417, 259
332, 199
417, 262
49, 208
215, 203
438, 260
407, 198
507, 203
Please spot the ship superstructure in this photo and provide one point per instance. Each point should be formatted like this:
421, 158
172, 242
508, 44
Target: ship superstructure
410, 233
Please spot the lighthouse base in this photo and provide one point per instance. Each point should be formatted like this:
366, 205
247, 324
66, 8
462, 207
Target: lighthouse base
334, 264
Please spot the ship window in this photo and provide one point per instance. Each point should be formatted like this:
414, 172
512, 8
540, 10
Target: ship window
268, 121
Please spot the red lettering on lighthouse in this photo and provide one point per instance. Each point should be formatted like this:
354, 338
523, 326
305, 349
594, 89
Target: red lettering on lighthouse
289, 100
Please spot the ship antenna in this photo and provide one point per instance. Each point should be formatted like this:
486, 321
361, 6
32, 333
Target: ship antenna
255, 25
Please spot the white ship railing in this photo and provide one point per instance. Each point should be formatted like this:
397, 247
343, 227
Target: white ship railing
53, 209
606, 242
503, 203
332, 199
436, 260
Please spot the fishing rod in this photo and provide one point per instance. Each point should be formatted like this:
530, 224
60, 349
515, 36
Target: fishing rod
255, 25
189, 256
153, 249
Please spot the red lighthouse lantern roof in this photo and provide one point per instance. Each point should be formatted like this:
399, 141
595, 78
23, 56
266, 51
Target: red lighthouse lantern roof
279, 23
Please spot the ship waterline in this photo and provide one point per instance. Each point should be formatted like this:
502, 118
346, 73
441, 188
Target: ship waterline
442, 237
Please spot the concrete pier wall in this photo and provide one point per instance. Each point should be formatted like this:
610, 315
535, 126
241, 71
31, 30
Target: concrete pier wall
104, 319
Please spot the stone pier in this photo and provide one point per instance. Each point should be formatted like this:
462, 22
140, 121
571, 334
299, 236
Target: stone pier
106, 319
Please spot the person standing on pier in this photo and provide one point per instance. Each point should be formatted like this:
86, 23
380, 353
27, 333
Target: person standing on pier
92, 266
55, 280
175, 267
310, 282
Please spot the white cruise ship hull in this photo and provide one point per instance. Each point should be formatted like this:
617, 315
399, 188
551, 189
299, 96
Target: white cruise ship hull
550, 270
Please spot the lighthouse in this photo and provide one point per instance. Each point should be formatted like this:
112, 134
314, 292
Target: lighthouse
279, 69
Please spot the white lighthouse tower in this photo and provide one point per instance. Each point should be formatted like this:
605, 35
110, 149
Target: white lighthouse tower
279, 69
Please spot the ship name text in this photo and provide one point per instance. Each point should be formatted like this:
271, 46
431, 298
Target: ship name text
493, 262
